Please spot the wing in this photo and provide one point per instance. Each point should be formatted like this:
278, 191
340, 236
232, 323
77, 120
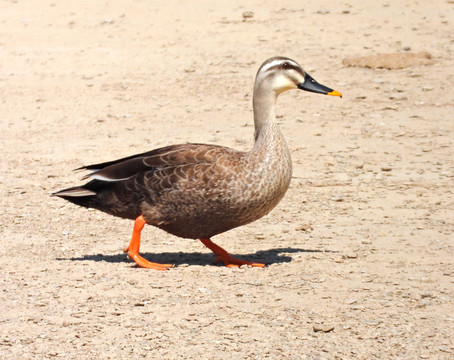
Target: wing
165, 158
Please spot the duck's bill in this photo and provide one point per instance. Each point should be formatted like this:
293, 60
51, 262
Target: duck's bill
311, 85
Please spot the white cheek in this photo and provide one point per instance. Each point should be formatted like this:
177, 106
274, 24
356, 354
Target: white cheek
282, 83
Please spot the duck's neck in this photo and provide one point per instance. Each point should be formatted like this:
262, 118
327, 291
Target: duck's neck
264, 103
272, 160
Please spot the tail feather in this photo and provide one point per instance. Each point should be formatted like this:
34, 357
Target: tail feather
110, 197
77, 191
78, 195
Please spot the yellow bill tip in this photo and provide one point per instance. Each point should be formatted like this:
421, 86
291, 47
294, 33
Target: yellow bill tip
334, 93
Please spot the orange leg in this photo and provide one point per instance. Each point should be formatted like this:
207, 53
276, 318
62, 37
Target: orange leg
224, 256
134, 246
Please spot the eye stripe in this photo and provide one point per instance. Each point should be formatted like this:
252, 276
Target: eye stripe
271, 65
291, 66
278, 63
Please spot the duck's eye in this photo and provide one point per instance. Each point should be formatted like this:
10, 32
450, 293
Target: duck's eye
286, 65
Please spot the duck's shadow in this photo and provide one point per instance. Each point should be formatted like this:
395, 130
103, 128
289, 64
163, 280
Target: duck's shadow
271, 256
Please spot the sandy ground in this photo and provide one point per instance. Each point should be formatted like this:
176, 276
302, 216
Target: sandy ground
360, 249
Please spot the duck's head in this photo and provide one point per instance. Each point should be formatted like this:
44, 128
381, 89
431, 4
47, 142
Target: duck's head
281, 74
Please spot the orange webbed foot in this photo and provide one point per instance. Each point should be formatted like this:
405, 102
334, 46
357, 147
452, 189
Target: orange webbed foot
141, 262
134, 246
226, 258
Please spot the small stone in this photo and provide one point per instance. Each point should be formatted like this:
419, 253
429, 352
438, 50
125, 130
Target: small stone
422, 304
305, 228
156, 286
323, 328
427, 295
203, 290
349, 255
248, 15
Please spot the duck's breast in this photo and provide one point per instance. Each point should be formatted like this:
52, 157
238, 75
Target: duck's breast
203, 200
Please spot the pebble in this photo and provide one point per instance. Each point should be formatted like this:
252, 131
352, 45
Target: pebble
427, 295
323, 328
156, 286
203, 290
349, 255
305, 228
423, 304
248, 15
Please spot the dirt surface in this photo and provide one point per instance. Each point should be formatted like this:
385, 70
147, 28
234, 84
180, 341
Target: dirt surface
360, 249
392, 61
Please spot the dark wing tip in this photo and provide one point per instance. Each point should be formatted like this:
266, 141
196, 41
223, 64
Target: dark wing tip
74, 192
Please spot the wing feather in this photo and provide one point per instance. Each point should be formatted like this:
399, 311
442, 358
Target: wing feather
158, 159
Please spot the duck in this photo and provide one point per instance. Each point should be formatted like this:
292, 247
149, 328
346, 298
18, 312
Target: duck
197, 191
